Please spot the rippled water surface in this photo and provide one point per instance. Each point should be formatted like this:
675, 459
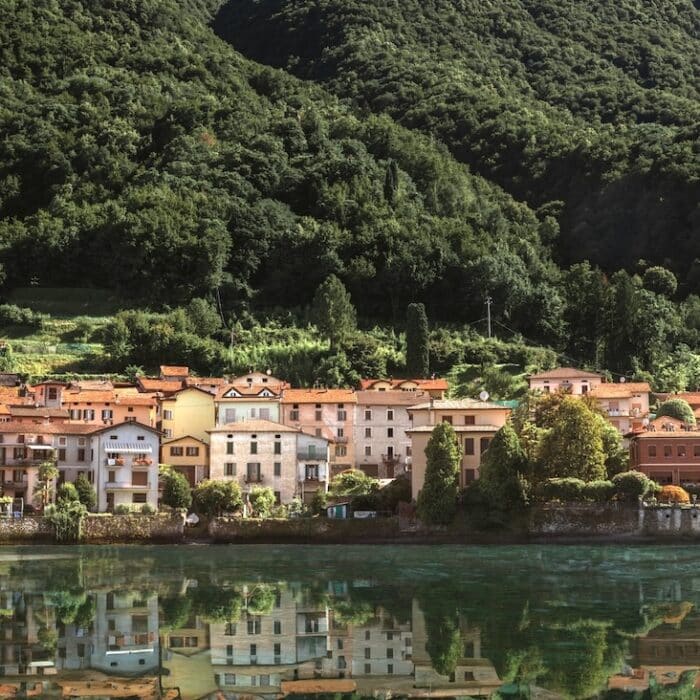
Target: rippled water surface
332, 622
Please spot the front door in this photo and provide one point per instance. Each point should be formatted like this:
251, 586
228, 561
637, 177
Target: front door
110, 502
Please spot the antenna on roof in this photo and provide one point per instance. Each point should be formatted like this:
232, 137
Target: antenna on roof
623, 380
484, 395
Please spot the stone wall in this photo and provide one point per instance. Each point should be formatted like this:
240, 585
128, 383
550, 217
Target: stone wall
306, 531
31, 528
585, 520
671, 521
133, 528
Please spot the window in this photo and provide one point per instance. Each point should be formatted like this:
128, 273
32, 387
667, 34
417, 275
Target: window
18, 453
341, 450
229, 447
89, 414
469, 676
264, 413
696, 451
294, 413
484, 444
408, 450
390, 452
114, 437
447, 419
468, 446
340, 432
254, 625
311, 472
107, 414
339, 644
367, 635
130, 409
389, 636
176, 451
681, 452
277, 627
390, 432
278, 448
278, 497
389, 653
277, 469
318, 432
668, 451
318, 415
368, 669
390, 414
192, 451
389, 669
230, 631
253, 652
167, 432
651, 451
167, 415
253, 472
62, 454
138, 498
253, 448
53, 393
230, 469
469, 420
81, 454
368, 653
277, 649
81, 441
342, 413
368, 450
368, 432
368, 414
140, 437
62, 441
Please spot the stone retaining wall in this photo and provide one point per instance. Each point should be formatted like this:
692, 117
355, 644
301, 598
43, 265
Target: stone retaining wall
31, 528
133, 528
670, 521
581, 520
305, 531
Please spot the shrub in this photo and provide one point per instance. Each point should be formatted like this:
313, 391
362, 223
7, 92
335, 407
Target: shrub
566, 489
352, 482
122, 509
147, 509
86, 493
212, 497
677, 408
176, 489
629, 486
598, 491
262, 500
366, 501
66, 518
673, 494
67, 492
399, 490
318, 503
11, 315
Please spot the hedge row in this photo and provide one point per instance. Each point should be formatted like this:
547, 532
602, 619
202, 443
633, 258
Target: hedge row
627, 486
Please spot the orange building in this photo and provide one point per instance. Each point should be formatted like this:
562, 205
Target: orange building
107, 407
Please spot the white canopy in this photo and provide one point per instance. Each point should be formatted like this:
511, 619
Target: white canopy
128, 447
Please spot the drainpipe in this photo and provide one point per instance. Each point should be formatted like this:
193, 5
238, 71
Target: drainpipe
431, 414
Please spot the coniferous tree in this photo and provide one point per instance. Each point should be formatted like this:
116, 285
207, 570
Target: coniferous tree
332, 311
417, 348
503, 470
437, 501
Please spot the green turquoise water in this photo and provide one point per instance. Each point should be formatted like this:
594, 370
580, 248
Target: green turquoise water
436, 621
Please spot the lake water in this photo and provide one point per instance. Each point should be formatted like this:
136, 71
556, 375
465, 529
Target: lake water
441, 621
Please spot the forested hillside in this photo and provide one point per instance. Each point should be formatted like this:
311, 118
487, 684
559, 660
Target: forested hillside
141, 153
587, 111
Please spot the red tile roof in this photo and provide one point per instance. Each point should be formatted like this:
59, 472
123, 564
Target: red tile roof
88, 397
319, 396
38, 412
424, 384
165, 386
565, 373
174, 371
391, 397
616, 390
49, 428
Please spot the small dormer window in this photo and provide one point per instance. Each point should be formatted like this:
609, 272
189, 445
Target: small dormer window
114, 437
277, 437
229, 436
140, 437
264, 380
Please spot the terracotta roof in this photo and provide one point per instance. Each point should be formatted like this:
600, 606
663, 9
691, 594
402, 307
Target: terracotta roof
10, 396
456, 404
39, 412
425, 384
208, 381
49, 428
169, 441
166, 386
615, 390
692, 397
318, 685
248, 392
92, 385
458, 429
565, 373
136, 399
254, 426
88, 397
4, 410
391, 397
319, 396
174, 371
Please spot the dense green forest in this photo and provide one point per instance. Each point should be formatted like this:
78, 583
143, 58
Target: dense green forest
587, 111
433, 152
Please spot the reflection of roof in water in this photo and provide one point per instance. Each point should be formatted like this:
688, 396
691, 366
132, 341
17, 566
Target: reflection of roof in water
318, 685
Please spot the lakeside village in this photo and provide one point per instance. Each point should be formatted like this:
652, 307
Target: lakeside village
258, 447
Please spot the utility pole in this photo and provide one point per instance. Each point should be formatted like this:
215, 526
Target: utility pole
489, 301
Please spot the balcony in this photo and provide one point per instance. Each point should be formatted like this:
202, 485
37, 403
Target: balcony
118, 462
254, 478
393, 460
310, 457
341, 440
9, 484
126, 641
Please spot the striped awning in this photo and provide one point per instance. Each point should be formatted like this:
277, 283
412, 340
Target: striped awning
128, 447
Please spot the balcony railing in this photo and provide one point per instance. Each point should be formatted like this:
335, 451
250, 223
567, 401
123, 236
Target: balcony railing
126, 486
311, 456
341, 440
254, 478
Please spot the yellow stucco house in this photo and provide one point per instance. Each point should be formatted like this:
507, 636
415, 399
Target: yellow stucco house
475, 422
190, 412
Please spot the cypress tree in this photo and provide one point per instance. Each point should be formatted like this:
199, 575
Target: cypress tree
332, 311
417, 350
437, 501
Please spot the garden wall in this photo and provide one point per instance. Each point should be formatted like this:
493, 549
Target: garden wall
306, 531
31, 528
585, 520
133, 528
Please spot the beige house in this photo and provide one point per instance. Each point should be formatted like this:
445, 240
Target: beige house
326, 413
263, 453
475, 422
382, 446
251, 397
187, 412
569, 379
625, 404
